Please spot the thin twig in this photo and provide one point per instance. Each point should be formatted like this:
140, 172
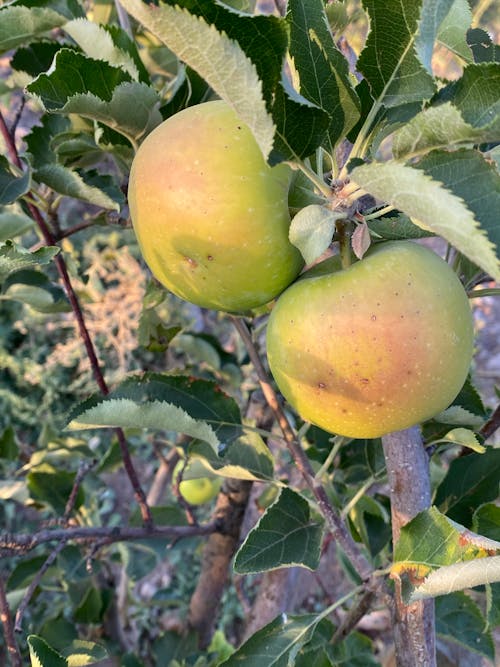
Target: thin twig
83, 469
8, 628
335, 523
35, 582
23, 542
62, 269
356, 613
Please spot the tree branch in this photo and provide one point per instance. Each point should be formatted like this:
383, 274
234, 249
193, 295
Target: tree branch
409, 482
8, 628
62, 269
218, 553
492, 425
335, 523
23, 542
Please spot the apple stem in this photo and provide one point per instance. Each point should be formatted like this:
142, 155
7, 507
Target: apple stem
343, 238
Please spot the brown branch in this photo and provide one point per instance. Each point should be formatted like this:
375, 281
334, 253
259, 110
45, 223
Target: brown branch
23, 542
62, 269
492, 425
361, 607
35, 582
410, 489
335, 523
83, 469
218, 553
8, 628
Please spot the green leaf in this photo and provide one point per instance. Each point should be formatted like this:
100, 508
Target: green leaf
470, 481
218, 59
89, 608
395, 227
275, 645
248, 457
11, 186
483, 49
440, 127
472, 178
398, 77
81, 652
286, 535
433, 13
14, 257
42, 655
431, 206
322, 70
300, 125
8, 445
35, 58
18, 25
187, 405
452, 32
52, 486
68, 182
435, 556
97, 43
13, 222
459, 620
486, 521
34, 289
312, 230
466, 438
476, 94
96, 90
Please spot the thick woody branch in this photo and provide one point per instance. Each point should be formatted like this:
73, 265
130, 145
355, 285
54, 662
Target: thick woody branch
409, 481
217, 556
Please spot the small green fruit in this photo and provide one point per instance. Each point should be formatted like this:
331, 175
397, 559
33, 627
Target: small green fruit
374, 348
198, 486
210, 215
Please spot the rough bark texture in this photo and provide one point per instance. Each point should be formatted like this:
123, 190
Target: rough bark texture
408, 475
217, 555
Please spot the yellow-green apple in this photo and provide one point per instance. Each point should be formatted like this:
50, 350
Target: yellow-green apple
376, 347
198, 485
210, 215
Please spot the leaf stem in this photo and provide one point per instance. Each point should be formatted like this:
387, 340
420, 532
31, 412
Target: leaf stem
316, 180
379, 213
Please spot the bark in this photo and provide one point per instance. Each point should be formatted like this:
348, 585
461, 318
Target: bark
276, 594
409, 481
216, 560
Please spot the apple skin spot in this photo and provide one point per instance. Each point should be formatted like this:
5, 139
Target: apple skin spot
388, 373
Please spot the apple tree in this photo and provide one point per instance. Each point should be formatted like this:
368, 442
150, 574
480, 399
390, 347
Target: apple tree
244, 250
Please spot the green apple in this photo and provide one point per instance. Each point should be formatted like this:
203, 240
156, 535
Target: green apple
197, 486
374, 348
210, 215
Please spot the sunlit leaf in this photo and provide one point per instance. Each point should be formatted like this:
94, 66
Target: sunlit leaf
431, 206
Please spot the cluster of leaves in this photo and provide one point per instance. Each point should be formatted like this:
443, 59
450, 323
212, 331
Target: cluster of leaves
424, 149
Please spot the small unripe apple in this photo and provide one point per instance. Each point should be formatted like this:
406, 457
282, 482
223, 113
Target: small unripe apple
197, 486
210, 215
374, 348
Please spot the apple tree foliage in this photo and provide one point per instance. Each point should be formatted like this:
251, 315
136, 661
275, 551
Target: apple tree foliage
350, 96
